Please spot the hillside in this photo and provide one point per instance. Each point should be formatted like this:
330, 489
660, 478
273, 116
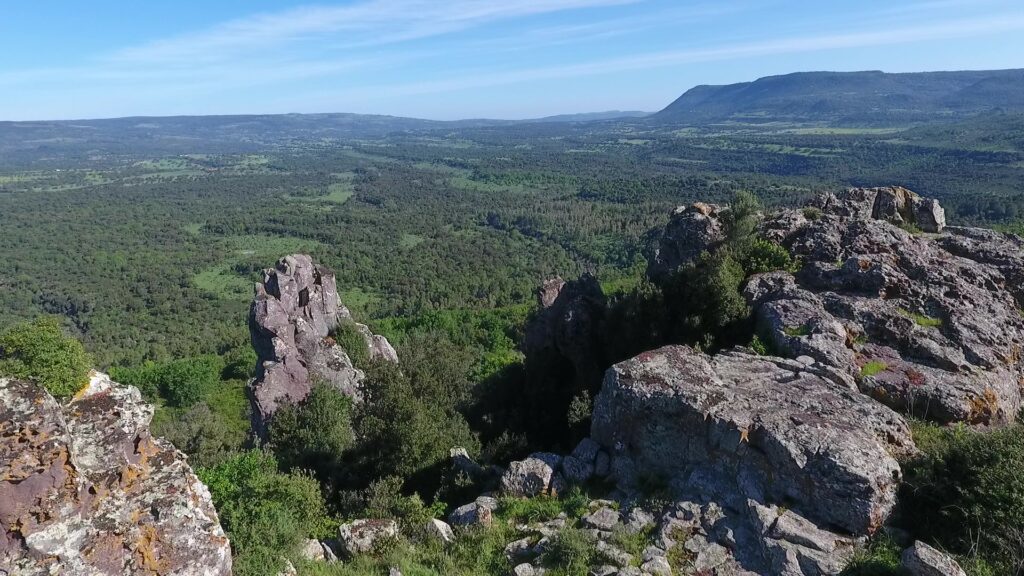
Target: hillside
852, 98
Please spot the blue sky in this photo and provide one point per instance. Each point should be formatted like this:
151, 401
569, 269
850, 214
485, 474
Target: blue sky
450, 59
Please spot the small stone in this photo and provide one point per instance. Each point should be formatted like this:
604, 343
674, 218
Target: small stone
440, 530
639, 520
524, 569
312, 550
613, 554
602, 519
532, 476
361, 536
518, 549
923, 560
658, 566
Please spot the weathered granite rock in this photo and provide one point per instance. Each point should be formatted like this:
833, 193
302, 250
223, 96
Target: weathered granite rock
923, 560
691, 230
85, 489
533, 476
763, 422
565, 335
362, 536
927, 325
294, 311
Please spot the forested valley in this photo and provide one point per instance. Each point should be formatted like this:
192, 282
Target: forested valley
439, 236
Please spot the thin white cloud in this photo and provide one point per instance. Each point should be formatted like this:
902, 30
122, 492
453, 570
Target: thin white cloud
371, 22
935, 31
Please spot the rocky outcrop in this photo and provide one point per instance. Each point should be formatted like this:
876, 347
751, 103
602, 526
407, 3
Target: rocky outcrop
563, 338
293, 314
85, 489
929, 325
690, 230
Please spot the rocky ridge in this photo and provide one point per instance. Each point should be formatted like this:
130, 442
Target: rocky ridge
785, 462
295, 311
86, 489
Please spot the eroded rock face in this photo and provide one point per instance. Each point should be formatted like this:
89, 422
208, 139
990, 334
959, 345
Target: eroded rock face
294, 311
85, 489
928, 325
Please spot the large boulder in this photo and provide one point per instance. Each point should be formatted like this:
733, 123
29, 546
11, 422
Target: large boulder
691, 230
782, 464
928, 325
784, 432
293, 314
85, 489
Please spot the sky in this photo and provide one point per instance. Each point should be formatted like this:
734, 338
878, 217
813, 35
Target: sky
451, 59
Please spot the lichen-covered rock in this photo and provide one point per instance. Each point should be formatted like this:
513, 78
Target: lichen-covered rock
923, 560
363, 536
85, 489
928, 325
533, 476
294, 311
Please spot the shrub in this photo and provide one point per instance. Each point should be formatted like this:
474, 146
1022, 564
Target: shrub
314, 434
881, 557
408, 421
266, 514
384, 499
796, 331
571, 551
873, 367
764, 255
812, 213
181, 382
921, 319
41, 352
239, 363
206, 436
967, 494
758, 346
348, 336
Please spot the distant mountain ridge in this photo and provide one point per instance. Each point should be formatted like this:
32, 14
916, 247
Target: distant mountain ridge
870, 97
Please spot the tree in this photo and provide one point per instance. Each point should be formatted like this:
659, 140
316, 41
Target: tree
40, 351
266, 513
315, 434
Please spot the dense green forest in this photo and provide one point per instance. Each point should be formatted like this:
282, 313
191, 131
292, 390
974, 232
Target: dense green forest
439, 235
151, 257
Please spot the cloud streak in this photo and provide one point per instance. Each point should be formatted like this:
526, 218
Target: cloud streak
907, 35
